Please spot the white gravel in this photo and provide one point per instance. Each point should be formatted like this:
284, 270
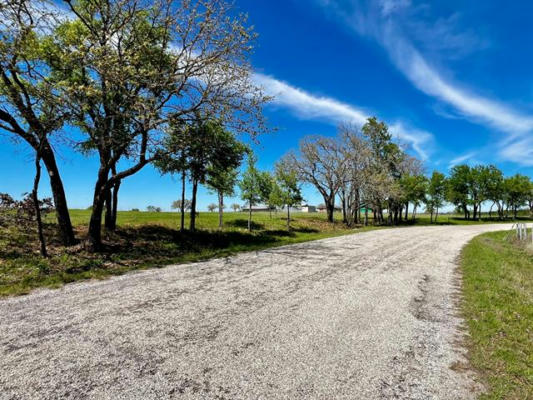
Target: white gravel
365, 316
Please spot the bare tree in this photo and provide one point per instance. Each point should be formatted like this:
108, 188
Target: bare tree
321, 164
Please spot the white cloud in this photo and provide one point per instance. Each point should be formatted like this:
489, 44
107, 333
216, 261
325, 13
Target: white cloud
380, 23
461, 159
309, 106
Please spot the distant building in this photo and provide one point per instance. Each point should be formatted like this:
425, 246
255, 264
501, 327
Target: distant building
322, 208
246, 208
308, 209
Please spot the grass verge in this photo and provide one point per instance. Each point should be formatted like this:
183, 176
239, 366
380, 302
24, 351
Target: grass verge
498, 306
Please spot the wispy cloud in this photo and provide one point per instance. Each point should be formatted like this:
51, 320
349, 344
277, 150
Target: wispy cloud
308, 106
461, 159
381, 21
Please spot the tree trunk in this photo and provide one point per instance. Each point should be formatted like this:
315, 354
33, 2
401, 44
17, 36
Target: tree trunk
406, 211
366, 216
192, 224
288, 218
108, 219
182, 220
60, 200
35, 197
437, 214
343, 205
95, 223
220, 209
114, 210
330, 208
250, 217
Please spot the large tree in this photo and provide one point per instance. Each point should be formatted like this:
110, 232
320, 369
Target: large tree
321, 164
30, 106
125, 67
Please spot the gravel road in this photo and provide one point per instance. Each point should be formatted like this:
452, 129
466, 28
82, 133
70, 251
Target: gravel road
365, 316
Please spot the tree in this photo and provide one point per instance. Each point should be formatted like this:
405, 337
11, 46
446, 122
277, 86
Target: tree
356, 152
126, 67
222, 175
286, 189
458, 188
30, 106
386, 170
177, 205
494, 188
320, 163
235, 207
252, 186
153, 209
212, 207
518, 191
415, 188
436, 194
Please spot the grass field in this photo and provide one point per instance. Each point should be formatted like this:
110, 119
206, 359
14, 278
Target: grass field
151, 239
146, 240
498, 305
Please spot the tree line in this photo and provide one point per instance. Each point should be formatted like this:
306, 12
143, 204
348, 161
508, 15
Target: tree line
369, 172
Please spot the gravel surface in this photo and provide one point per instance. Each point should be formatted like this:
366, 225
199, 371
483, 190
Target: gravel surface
365, 316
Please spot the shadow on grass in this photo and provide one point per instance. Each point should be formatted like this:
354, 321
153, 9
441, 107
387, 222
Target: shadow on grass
243, 223
159, 241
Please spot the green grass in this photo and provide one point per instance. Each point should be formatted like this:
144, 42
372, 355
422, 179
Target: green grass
146, 240
498, 305
150, 239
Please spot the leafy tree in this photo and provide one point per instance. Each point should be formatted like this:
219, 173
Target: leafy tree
253, 186
286, 188
494, 189
30, 108
153, 209
436, 194
458, 188
116, 65
235, 207
222, 175
415, 188
518, 191
212, 207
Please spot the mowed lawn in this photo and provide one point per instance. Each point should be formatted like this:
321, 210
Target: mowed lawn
498, 306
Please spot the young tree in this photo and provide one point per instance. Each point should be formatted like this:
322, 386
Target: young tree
235, 207
222, 175
126, 67
252, 186
30, 108
223, 182
286, 189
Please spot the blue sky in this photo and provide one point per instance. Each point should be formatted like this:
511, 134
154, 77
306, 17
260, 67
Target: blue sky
452, 79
